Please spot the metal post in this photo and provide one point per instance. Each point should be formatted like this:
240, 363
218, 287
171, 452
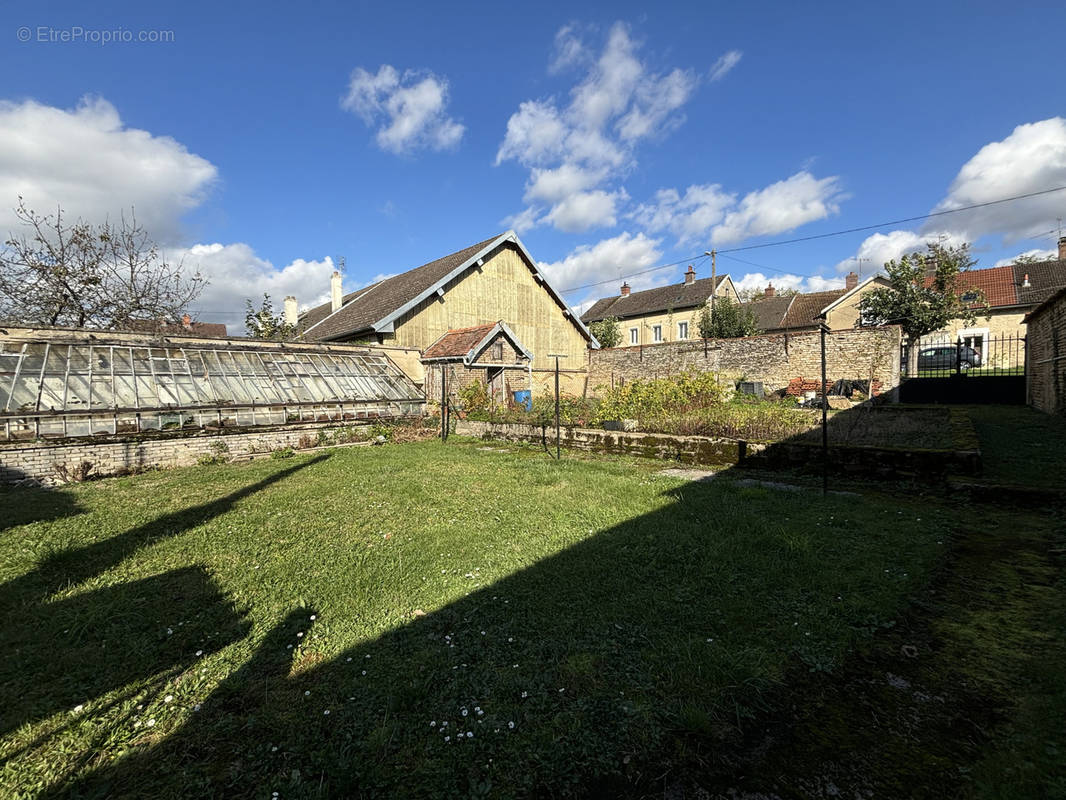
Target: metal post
825, 420
443, 403
557, 356
557, 408
958, 356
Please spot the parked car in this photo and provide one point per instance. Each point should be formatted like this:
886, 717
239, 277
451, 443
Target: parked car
946, 356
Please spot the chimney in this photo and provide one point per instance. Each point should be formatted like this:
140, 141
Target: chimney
1025, 282
851, 280
769, 290
690, 276
291, 315
1062, 248
335, 290
625, 290
186, 322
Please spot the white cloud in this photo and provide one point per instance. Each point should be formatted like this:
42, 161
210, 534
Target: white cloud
555, 185
569, 50
409, 109
1032, 158
584, 210
524, 220
1036, 254
93, 166
780, 207
787, 282
574, 149
690, 216
235, 274
724, 64
880, 248
709, 212
606, 260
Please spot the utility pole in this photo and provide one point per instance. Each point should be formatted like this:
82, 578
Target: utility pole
714, 288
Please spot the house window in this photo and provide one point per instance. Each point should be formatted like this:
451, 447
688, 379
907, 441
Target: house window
497, 351
634, 335
682, 330
656, 333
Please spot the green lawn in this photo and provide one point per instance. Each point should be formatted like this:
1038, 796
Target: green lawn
1021, 446
419, 619
428, 620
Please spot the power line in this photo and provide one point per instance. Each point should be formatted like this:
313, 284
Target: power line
690, 259
893, 222
828, 235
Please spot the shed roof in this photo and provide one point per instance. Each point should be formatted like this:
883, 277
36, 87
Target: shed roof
1045, 279
466, 344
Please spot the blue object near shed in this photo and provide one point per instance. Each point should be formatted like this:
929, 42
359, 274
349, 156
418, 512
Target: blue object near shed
524, 398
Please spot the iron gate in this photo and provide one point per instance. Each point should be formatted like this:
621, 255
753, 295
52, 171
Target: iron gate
976, 368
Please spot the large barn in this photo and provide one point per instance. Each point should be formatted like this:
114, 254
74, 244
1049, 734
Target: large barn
493, 281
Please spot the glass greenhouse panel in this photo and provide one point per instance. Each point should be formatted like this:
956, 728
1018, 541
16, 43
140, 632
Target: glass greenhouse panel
61, 389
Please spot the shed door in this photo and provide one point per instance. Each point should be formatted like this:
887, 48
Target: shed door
494, 379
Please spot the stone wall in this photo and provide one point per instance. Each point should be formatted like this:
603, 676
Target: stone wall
774, 359
1046, 356
39, 460
963, 458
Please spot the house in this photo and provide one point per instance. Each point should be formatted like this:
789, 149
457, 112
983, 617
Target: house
186, 327
1011, 292
491, 354
794, 313
663, 314
487, 283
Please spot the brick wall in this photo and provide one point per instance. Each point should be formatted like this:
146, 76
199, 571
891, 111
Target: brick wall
1046, 354
38, 460
774, 359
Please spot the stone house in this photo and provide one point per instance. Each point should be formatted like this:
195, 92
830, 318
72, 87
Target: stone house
805, 311
663, 314
493, 280
489, 354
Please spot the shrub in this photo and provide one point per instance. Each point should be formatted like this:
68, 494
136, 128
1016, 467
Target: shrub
646, 399
282, 453
219, 454
474, 397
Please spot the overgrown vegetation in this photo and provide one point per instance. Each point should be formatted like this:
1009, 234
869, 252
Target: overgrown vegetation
607, 331
729, 321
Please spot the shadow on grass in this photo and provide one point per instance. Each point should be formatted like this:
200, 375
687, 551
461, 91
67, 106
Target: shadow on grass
26, 505
106, 638
590, 673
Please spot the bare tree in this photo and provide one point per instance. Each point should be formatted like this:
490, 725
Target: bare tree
84, 275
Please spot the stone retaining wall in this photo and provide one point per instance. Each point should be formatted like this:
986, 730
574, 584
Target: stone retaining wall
42, 461
867, 461
774, 359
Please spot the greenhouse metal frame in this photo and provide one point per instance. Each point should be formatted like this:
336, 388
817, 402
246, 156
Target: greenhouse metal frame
63, 389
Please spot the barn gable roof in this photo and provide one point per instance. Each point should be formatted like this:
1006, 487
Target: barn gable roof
376, 308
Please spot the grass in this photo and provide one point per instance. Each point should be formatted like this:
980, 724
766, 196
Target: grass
1021, 446
185, 633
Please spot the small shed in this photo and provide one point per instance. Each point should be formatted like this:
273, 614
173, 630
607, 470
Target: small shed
490, 353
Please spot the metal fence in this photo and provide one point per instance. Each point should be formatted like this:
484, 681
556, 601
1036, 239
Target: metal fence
980, 355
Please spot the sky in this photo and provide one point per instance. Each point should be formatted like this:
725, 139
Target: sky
264, 145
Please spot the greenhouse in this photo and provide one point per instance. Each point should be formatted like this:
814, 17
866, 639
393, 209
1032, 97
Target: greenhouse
60, 389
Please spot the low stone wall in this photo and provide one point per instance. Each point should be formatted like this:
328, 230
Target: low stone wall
774, 359
686, 449
964, 459
43, 461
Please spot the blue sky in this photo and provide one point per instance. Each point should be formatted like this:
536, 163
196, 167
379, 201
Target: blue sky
262, 144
